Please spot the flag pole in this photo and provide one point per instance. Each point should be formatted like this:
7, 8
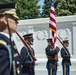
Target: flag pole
52, 26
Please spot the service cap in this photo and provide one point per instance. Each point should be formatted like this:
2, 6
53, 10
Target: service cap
8, 8
28, 36
49, 40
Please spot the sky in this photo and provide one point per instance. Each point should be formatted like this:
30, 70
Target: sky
41, 3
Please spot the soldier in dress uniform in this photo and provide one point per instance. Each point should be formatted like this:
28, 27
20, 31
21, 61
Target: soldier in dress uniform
52, 62
10, 60
65, 58
27, 61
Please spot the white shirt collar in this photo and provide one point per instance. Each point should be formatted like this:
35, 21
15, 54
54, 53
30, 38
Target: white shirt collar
7, 35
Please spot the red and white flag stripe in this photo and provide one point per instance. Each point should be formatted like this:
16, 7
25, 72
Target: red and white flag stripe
52, 24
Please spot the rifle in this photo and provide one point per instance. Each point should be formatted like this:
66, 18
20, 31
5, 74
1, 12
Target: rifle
29, 50
64, 46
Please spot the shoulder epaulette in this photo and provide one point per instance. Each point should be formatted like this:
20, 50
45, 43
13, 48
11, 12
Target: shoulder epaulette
2, 42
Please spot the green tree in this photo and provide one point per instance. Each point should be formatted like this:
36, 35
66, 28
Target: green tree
46, 9
31, 9
65, 7
26, 9
62, 8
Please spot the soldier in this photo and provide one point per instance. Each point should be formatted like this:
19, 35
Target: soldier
10, 60
27, 61
66, 58
52, 62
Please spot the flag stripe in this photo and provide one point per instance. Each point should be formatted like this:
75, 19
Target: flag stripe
53, 28
52, 11
52, 24
52, 19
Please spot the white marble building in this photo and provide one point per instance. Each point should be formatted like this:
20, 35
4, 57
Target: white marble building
66, 29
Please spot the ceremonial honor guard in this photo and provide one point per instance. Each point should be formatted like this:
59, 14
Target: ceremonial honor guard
52, 62
10, 60
27, 61
65, 58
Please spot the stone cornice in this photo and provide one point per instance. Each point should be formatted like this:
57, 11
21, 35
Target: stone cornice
46, 20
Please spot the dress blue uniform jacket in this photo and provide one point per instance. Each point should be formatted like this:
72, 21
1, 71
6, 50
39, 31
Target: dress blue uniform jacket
28, 63
50, 53
5, 60
65, 56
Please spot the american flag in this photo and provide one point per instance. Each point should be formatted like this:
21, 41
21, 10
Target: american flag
52, 24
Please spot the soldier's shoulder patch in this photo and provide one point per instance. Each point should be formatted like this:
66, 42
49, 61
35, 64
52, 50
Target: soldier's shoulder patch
2, 42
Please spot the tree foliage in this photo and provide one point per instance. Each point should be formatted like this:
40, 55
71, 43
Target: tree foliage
46, 8
65, 7
26, 9
62, 7
29, 9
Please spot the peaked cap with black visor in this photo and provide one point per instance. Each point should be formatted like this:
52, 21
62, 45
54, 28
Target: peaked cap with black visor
8, 8
28, 37
49, 40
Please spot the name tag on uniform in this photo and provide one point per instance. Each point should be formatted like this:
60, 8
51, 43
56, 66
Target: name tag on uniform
15, 55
